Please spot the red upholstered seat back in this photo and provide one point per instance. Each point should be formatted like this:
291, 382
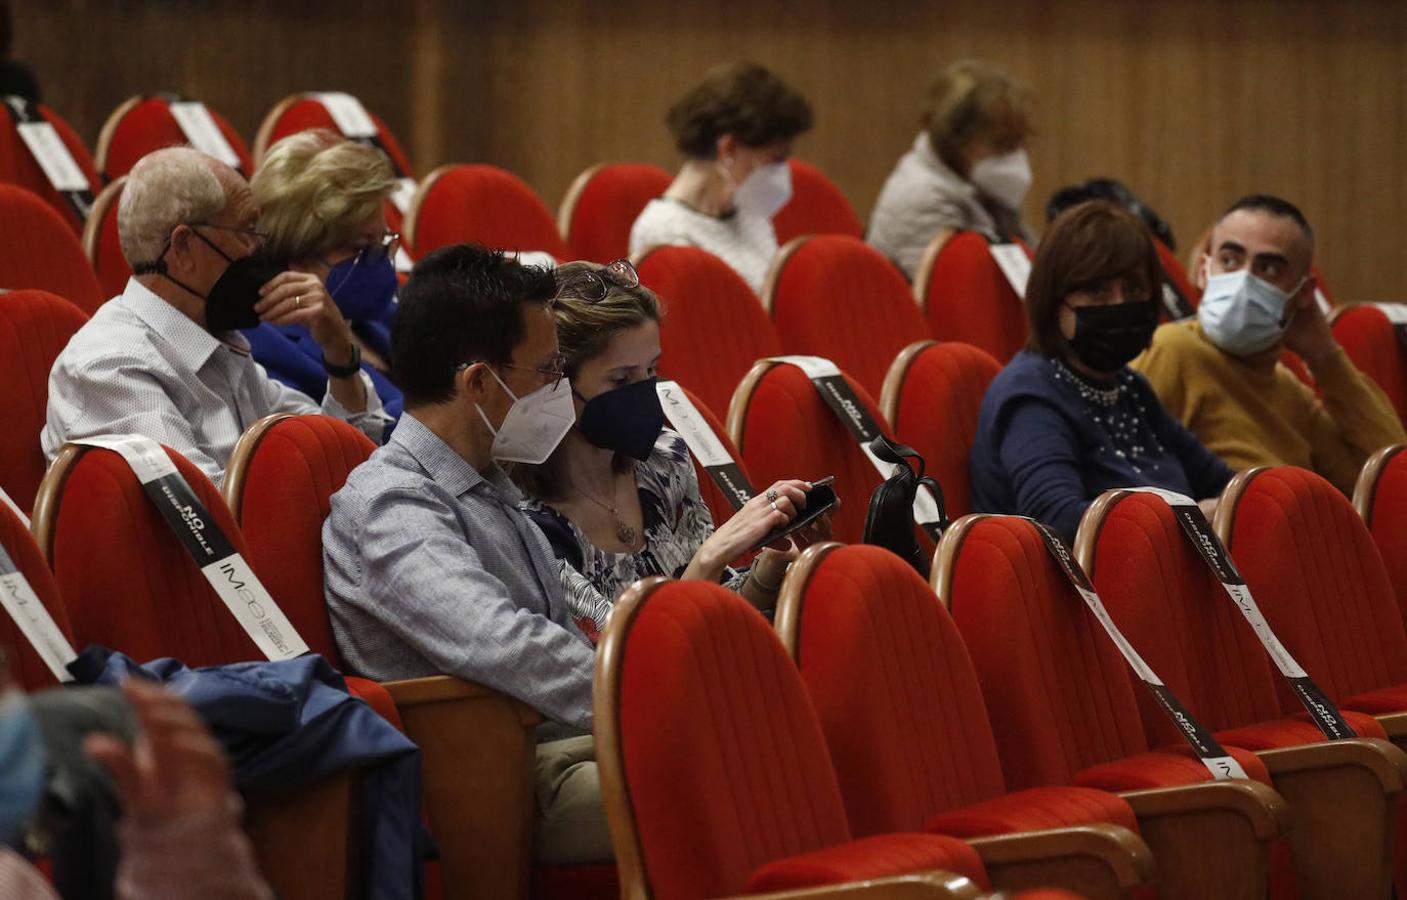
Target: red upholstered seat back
933, 403
836, 296
34, 327
144, 124
1177, 616
965, 297
603, 205
128, 582
1316, 575
17, 167
724, 760
895, 692
718, 506
483, 204
1176, 275
1386, 517
817, 206
103, 245
1059, 695
283, 493
25, 666
1371, 342
785, 430
714, 327
304, 112
39, 250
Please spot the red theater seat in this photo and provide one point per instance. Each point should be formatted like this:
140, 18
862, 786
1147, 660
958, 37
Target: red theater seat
1172, 609
34, 328
965, 296
25, 666
101, 243
482, 204
1372, 342
1381, 499
714, 327
714, 769
602, 205
836, 296
1176, 275
143, 124
907, 729
303, 112
784, 429
931, 396
18, 167
38, 250
817, 206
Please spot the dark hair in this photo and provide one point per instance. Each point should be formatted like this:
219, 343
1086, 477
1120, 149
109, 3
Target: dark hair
1276, 206
463, 303
741, 99
1115, 191
1087, 245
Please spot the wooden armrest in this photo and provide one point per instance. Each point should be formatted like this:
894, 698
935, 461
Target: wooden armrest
1093, 860
935, 885
313, 828
1387, 762
1395, 724
1265, 810
477, 752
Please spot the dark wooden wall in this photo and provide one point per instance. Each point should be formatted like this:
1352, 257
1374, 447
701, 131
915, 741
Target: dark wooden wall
1192, 102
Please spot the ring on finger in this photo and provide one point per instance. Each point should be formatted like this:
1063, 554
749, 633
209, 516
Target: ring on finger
772, 495
773, 504
298, 302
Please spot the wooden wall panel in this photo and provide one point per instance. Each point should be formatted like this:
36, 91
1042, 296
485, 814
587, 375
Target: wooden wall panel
1192, 103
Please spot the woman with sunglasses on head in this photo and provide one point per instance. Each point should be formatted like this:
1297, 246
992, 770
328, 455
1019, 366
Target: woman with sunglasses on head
1067, 419
321, 199
619, 498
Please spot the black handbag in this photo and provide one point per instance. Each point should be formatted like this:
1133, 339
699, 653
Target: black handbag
889, 522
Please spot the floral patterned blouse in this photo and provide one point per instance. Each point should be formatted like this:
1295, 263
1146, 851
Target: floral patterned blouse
676, 520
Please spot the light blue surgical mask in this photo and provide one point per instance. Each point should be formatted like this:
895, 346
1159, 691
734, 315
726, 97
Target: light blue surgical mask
1242, 313
21, 765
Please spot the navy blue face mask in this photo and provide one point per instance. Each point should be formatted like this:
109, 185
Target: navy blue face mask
627, 420
363, 290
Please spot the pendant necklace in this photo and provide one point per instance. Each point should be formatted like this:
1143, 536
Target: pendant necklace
624, 533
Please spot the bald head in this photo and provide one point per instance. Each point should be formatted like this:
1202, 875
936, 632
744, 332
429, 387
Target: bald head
170, 187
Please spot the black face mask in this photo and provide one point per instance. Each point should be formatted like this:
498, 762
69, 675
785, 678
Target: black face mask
627, 420
230, 304
1107, 337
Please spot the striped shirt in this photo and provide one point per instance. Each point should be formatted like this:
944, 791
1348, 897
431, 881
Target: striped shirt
141, 366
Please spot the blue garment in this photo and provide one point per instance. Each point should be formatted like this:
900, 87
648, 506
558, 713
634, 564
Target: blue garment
290, 355
286, 723
1050, 441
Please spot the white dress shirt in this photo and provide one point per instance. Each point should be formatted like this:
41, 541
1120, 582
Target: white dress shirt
141, 366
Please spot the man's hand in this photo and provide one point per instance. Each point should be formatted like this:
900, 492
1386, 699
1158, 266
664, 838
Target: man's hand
299, 298
1308, 333
174, 770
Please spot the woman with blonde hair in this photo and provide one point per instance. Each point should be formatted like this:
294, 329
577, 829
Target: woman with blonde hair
321, 199
967, 170
619, 497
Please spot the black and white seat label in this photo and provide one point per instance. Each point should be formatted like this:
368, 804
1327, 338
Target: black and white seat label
1011, 258
1176, 305
1220, 763
1199, 532
52, 155
698, 436
1396, 313
14, 507
838, 396
196, 530
32, 618
196, 123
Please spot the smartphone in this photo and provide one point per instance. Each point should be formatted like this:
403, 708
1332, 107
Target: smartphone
820, 500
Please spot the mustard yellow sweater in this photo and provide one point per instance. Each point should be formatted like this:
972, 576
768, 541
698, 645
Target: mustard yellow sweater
1252, 411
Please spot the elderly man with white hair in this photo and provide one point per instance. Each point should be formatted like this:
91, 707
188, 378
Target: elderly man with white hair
165, 358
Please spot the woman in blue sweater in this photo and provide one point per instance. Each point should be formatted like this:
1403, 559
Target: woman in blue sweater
1067, 419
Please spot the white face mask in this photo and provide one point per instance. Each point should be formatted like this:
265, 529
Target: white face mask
1004, 178
765, 191
1241, 313
535, 424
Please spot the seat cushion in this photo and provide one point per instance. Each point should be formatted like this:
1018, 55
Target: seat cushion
1034, 809
1168, 767
377, 697
881, 856
1385, 700
1293, 732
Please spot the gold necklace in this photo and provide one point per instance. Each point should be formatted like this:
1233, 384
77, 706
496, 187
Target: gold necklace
624, 533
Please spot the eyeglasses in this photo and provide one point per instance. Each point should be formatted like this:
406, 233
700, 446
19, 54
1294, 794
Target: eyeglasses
260, 237
591, 285
551, 372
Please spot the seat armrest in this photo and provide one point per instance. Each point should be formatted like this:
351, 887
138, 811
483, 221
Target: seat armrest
312, 828
1094, 860
933, 885
1395, 724
477, 751
1265, 810
1387, 762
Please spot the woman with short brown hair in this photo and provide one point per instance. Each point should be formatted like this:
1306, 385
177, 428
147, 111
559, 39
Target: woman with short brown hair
1067, 418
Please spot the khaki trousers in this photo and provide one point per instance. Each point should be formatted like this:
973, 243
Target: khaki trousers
569, 827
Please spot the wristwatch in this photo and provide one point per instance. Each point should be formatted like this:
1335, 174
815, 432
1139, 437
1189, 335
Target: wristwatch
349, 369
